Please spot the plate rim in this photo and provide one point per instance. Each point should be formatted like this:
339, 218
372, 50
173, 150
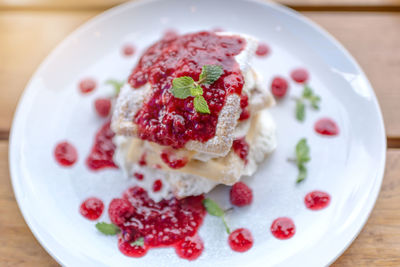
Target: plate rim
13, 150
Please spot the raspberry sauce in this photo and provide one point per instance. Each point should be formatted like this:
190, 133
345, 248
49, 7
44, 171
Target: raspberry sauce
92, 208
166, 223
87, 85
103, 149
283, 228
142, 160
138, 176
128, 50
262, 50
170, 121
299, 75
65, 154
326, 126
172, 160
240, 240
317, 200
190, 248
244, 103
241, 148
157, 185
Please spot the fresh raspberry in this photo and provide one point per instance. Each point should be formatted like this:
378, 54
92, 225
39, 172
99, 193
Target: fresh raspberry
120, 210
279, 87
241, 194
103, 106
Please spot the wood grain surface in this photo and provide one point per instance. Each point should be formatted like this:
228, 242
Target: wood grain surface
105, 4
369, 29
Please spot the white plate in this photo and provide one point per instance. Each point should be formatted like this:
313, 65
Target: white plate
349, 167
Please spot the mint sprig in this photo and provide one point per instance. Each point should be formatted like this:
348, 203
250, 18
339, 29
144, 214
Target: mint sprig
302, 157
184, 87
311, 97
107, 228
138, 242
116, 84
215, 210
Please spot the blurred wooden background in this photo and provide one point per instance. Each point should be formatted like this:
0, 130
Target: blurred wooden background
369, 29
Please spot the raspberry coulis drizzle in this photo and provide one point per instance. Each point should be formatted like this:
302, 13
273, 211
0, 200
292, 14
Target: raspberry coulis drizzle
317, 200
168, 223
65, 154
101, 155
170, 121
283, 228
91, 208
326, 126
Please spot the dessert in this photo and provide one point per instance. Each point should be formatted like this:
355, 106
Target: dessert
177, 149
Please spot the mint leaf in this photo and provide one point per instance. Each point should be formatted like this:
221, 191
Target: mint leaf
107, 228
182, 82
313, 98
300, 110
302, 173
212, 207
210, 73
200, 104
138, 242
181, 87
196, 91
307, 91
302, 151
315, 101
302, 157
116, 84
181, 93
215, 210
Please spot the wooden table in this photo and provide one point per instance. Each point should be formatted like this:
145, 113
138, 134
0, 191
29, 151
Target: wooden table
369, 29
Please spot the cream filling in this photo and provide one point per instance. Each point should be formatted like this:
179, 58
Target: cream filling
196, 177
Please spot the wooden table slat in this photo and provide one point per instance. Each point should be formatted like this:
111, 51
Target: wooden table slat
104, 4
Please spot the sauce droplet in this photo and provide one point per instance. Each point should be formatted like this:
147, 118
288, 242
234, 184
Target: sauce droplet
326, 126
240, 240
157, 185
190, 248
241, 148
262, 50
283, 228
134, 251
138, 176
317, 200
92, 208
87, 85
128, 50
299, 75
65, 154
